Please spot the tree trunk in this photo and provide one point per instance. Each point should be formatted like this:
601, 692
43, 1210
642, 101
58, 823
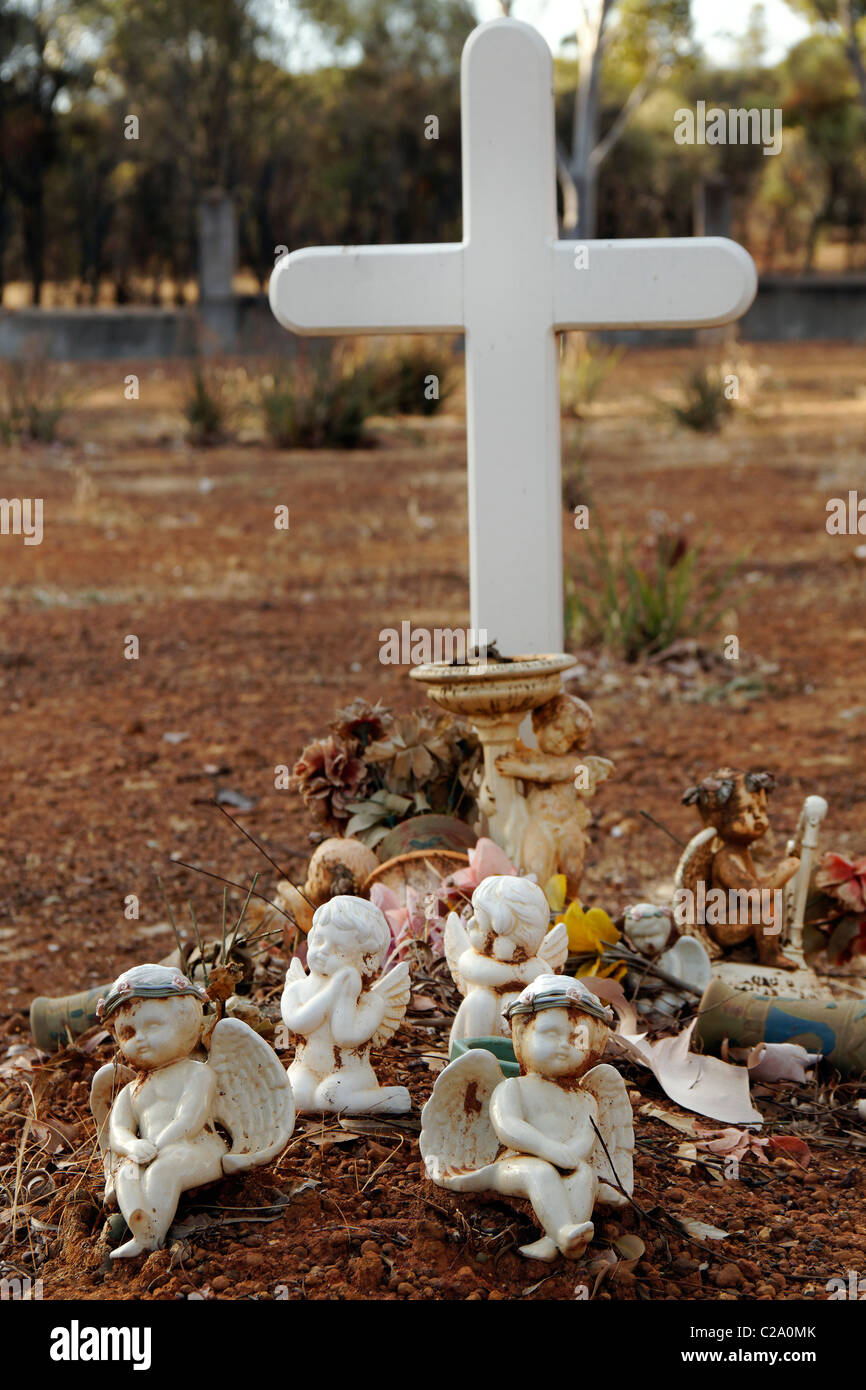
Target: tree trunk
852, 47
33, 220
587, 203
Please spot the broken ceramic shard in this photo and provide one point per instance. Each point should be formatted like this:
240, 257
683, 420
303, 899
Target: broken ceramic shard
157, 1116
503, 947
649, 929
340, 1010
548, 823
560, 1134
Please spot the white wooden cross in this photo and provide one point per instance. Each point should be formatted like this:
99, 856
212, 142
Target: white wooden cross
511, 286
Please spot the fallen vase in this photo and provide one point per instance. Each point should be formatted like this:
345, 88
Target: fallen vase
835, 1028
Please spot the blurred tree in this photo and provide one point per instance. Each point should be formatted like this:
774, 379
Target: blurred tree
38, 62
188, 72
424, 37
820, 97
633, 40
845, 19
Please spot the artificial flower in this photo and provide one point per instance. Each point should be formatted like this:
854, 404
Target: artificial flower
589, 932
329, 775
362, 723
844, 879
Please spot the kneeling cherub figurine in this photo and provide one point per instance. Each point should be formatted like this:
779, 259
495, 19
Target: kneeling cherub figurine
158, 1134
340, 1010
561, 1134
505, 945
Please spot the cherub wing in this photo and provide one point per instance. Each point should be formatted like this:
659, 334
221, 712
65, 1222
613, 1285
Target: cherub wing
554, 948
105, 1087
599, 769
616, 1127
456, 942
254, 1098
396, 988
695, 866
457, 1134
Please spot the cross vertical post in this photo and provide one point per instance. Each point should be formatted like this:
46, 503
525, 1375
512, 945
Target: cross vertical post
511, 286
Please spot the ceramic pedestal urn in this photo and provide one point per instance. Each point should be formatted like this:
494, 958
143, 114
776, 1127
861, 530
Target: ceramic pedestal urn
496, 696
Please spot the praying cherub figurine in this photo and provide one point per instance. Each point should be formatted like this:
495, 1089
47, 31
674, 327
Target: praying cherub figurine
560, 1134
547, 825
340, 1010
733, 808
158, 1133
504, 946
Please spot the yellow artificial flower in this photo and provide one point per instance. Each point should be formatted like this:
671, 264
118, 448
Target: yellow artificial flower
554, 891
590, 930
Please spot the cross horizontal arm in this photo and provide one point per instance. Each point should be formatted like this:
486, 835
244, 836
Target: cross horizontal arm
672, 282
370, 289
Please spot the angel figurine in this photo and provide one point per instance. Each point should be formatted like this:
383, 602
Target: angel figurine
649, 928
733, 808
560, 1134
547, 825
158, 1134
503, 947
340, 1010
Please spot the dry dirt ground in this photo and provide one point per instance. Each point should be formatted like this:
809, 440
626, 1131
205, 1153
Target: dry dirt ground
248, 638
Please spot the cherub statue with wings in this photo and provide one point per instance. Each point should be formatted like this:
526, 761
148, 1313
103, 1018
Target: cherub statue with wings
560, 1134
341, 1009
157, 1115
505, 945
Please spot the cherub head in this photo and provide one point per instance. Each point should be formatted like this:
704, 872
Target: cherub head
156, 1014
509, 914
559, 1027
348, 931
735, 803
562, 724
648, 927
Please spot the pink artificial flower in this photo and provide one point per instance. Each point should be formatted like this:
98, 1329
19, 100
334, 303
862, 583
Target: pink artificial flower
423, 919
485, 859
406, 920
844, 879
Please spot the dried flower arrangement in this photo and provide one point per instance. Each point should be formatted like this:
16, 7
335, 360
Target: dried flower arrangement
376, 768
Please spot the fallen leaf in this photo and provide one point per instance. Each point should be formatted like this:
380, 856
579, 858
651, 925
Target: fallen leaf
422, 1004
700, 1083
701, 1230
630, 1247
22, 1061
791, 1147
603, 1265
686, 1124
54, 1135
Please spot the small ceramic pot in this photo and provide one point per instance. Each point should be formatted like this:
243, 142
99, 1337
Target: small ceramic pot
52, 1020
837, 1030
501, 1048
426, 832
